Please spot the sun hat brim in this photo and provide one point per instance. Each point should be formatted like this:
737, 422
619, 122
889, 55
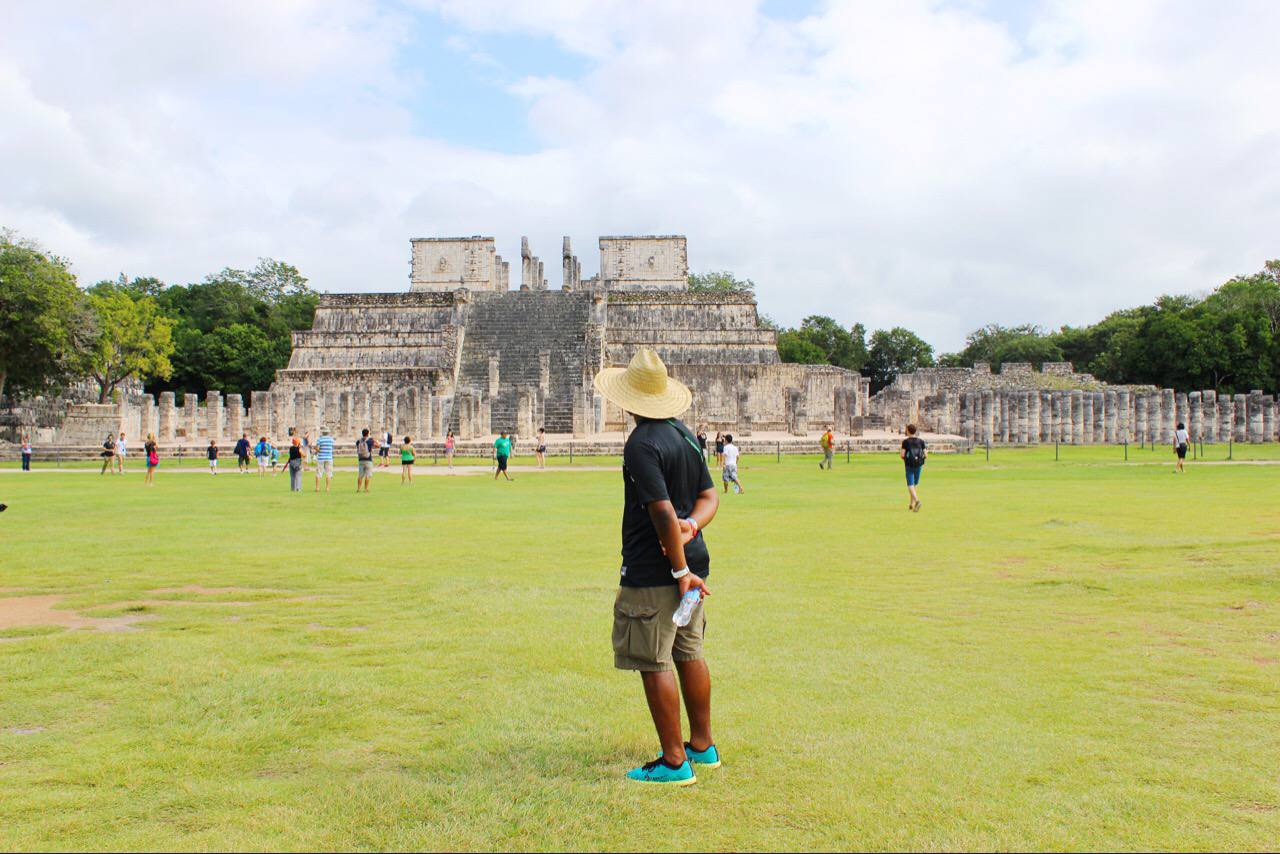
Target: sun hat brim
616, 385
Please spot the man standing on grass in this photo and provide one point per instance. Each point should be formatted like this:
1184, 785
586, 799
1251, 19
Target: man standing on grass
669, 499
364, 459
242, 453
324, 459
502, 453
913, 453
828, 445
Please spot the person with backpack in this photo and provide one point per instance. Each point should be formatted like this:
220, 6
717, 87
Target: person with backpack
669, 499
384, 451
1181, 439
913, 454
364, 459
262, 451
242, 453
828, 444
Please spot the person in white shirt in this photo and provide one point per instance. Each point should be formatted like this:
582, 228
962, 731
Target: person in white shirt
729, 474
121, 449
1181, 438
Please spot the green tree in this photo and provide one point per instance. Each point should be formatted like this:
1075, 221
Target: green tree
719, 280
133, 339
894, 352
43, 319
239, 358
794, 346
822, 340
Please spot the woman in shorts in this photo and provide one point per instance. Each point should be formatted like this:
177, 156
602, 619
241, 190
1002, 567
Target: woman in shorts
541, 450
407, 456
913, 454
719, 448
108, 453
448, 449
1181, 439
152, 453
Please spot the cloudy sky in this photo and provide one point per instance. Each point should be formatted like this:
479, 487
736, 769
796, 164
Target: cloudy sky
937, 165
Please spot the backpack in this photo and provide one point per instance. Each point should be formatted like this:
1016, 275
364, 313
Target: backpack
915, 453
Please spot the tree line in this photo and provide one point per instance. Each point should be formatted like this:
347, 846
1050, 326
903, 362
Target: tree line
230, 331
1227, 340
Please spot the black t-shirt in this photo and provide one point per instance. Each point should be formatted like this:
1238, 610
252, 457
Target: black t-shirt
295, 453
213, 452
659, 463
913, 442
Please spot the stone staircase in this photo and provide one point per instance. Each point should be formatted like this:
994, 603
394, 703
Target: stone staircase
518, 326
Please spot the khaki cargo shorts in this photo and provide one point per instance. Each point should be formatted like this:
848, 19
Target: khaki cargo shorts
644, 638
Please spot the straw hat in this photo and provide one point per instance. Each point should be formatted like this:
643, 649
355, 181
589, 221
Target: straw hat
643, 387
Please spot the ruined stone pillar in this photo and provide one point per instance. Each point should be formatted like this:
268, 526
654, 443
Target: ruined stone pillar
167, 421
544, 371
1077, 417
1268, 418
966, 415
1033, 416
1086, 417
191, 415
988, 416
1181, 411
1099, 418
235, 416
1109, 416
1241, 430
1226, 417
1124, 432
1195, 415
342, 416
281, 416
1254, 424
1209, 416
1168, 414
1140, 420
439, 416
213, 414
1046, 416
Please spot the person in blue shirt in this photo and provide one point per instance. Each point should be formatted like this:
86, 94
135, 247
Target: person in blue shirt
324, 459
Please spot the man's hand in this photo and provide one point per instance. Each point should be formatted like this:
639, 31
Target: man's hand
691, 581
687, 532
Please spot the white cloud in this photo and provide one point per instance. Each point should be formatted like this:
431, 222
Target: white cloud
910, 163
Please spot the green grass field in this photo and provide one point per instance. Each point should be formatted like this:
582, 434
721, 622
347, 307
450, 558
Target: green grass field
1080, 654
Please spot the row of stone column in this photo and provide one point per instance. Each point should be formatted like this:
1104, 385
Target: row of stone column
409, 411
1081, 417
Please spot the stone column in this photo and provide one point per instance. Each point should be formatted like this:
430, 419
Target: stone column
1168, 414
1268, 418
524, 413
1046, 416
988, 416
1195, 415
235, 416
544, 371
213, 414
1033, 415
1099, 418
1181, 411
1242, 418
1077, 416
1140, 418
167, 421
1123, 420
1086, 417
1209, 415
191, 416
1226, 417
493, 376
1253, 427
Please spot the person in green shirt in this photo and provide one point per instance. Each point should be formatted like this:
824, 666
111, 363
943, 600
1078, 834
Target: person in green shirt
502, 452
407, 457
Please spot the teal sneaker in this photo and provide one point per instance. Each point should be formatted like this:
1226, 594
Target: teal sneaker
709, 758
658, 771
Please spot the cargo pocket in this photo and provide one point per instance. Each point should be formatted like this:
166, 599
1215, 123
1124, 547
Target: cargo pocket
635, 632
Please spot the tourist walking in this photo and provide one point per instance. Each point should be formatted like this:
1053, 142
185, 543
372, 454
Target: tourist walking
448, 449
262, 452
108, 452
729, 469
668, 499
26, 453
719, 448
828, 444
212, 453
541, 449
152, 452
242, 453
501, 453
324, 459
914, 453
407, 456
295, 464
384, 452
1181, 438
364, 459
122, 449
274, 453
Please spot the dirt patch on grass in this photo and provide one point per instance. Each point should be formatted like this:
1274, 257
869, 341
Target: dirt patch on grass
215, 591
22, 611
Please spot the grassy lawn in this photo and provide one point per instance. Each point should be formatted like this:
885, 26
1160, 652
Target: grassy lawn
1072, 654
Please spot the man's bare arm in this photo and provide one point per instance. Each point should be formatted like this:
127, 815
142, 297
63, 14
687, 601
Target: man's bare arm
668, 527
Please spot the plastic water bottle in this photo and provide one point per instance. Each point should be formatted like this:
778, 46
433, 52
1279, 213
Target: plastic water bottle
684, 613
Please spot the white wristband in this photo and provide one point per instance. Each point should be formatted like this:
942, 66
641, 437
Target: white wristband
681, 574
694, 522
